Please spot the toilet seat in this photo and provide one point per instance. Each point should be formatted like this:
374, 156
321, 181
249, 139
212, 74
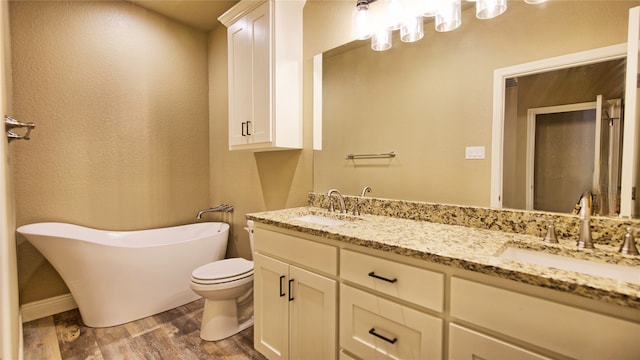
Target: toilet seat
223, 271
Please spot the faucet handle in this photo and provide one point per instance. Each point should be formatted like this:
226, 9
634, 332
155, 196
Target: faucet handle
629, 244
550, 237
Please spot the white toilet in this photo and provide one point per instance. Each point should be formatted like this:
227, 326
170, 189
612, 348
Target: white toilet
227, 287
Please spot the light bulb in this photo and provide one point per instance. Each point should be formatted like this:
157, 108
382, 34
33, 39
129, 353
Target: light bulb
361, 23
429, 8
449, 15
412, 29
488, 9
381, 39
394, 14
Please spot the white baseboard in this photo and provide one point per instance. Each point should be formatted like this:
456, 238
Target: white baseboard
47, 307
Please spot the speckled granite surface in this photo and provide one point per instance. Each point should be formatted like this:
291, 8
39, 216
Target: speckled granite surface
468, 247
603, 230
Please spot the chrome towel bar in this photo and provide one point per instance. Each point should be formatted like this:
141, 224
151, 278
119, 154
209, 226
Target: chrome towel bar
391, 154
10, 124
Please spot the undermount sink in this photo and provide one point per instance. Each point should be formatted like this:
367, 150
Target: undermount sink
618, 272
325, 218
320, 220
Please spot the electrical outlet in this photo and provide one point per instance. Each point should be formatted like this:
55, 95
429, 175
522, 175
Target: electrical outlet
474, 152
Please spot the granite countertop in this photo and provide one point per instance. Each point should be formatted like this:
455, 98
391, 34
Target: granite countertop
467, 248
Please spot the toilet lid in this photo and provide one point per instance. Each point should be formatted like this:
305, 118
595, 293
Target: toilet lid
223, 269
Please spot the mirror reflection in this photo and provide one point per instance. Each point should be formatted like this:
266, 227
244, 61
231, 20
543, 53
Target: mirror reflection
431, 104
563, 138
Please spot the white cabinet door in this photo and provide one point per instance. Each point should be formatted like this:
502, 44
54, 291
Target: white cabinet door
465, 344
249, 68
271, 307
312, 315
240, 80
259, 128
294, 311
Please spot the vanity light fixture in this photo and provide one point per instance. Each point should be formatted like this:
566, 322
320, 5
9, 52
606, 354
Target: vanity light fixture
378, 22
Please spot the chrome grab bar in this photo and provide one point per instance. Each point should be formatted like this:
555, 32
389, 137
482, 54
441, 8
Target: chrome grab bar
220, 208
10, 124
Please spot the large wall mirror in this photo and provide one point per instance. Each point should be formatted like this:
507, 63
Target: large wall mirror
431, 103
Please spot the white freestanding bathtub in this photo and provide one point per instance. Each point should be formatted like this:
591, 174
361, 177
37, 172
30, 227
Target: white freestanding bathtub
119, 276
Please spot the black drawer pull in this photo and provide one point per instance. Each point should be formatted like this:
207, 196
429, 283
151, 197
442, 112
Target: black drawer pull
281, 290
242, 130
373, 275
248, 132
374, 333
290, 293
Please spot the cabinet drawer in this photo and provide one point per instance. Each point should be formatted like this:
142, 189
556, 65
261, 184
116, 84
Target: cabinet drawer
344, 356
560, 328
376, 328
465, 344
410, 283
308, 253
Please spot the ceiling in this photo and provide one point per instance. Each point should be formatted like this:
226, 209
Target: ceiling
201, 14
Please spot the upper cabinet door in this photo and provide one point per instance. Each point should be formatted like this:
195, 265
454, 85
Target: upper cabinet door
259, 20
629, 206
240, 81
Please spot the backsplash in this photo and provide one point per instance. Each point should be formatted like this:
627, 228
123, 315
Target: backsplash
604, 230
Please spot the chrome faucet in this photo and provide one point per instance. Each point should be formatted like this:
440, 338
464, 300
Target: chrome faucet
343, 209
356, 203
220, 208
584, 237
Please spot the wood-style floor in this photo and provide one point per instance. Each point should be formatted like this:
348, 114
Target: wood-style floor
173, 334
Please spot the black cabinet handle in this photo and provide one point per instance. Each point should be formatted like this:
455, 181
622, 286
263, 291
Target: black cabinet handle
248, 133
281, 289
290, 293
373, 275
374, 333
243, 125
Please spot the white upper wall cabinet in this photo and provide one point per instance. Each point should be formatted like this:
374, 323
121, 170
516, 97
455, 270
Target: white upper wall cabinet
264, 40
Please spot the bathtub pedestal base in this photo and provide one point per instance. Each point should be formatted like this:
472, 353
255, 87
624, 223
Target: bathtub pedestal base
220, 320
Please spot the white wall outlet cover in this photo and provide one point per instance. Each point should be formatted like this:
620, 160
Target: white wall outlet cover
474, 152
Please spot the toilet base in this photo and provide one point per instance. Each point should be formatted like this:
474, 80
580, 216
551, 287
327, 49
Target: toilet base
220, 320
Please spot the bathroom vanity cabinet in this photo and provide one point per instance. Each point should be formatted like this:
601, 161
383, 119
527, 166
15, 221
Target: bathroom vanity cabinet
393, 306
264, 40
295, 292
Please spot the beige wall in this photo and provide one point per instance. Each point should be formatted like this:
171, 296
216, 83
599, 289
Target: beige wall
430, 99
119, 96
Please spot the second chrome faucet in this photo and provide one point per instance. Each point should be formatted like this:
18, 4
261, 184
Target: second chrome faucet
356, 203
343, 208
